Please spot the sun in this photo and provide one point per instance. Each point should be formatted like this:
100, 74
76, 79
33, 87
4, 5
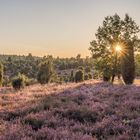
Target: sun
118, 48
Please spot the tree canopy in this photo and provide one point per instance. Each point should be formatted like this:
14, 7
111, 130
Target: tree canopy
113, 32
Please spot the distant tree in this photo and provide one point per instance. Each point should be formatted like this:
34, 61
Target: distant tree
86, 77
30, 57
6, 81
79, 76
113, 32
87, 69
78, 56
45, 72
9, 59
89, 75
72, 76
1, 74
81, 68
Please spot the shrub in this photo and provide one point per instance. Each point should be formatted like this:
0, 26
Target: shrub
89, 75
35, 123
87, 69
81, 68
86, 77
55, 78
79, 76
128, 66
1, 74
31, 82
19, 81
6, 81
45, 72
106, 74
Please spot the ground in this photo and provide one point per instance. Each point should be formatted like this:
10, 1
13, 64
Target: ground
90, 110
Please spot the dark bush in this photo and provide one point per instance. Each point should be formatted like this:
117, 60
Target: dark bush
35, 123
86, 77
87, 69
72, 76
89, 75
79, 76
81, 68
19, 81
128, 66
106, 74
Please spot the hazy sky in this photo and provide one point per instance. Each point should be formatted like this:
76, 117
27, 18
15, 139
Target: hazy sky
59, 27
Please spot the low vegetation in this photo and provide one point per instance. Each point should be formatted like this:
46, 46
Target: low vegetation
89, 110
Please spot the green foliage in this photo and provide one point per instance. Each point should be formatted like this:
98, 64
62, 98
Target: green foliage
81, 68
113, 31
29, 65
86, 77
87, 69
1, 74
56, 79
19, 81
66, 79
6, 81
89, 75
79, 76
78, 56
45, 72
137, 64
106, 74
128, 66
72, 76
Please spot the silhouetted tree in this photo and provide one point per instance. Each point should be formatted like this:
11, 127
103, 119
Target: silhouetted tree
114, 31
87, 69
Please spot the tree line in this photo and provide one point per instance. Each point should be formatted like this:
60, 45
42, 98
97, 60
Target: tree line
16, 69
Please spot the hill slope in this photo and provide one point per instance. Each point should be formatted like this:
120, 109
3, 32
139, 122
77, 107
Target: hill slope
84, 111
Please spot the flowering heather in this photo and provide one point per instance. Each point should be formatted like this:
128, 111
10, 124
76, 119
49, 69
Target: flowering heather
84, 111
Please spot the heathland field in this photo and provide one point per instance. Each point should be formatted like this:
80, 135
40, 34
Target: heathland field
91, 110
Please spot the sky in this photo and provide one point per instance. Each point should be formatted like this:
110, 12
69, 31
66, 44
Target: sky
61, 28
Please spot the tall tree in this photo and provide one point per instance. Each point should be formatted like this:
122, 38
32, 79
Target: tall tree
113, 33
